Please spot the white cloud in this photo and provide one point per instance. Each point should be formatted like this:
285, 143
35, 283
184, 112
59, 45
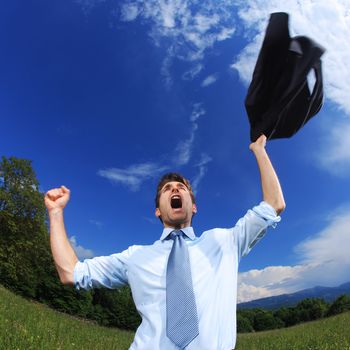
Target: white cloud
331, 243
272, 280
168, 12
183, 149
165, 69
188, 28
248, 292
185, 29
211, 79
81, 252
202, 169
134, 175
204, 23
88, 5
246, 60
324, 259
334, 153
129, 12
193, 72
225, 33
197, 111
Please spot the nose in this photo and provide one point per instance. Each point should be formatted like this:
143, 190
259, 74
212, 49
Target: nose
174, 189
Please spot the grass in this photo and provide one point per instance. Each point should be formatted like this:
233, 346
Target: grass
26, 325
331, 333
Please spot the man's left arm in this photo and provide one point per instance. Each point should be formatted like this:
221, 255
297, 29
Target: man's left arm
272, 191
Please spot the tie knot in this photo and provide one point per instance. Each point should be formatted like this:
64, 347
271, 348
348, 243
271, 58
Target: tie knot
176, 233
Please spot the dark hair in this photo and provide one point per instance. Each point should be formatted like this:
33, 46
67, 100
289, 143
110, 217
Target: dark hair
169, 177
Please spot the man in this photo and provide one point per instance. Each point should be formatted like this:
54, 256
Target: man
203, 303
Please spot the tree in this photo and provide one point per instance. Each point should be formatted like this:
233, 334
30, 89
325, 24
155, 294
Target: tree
311, 309
339, 305
22, 224
26, 264
243, 324
115, 308
264, 320
249, 314
288, 316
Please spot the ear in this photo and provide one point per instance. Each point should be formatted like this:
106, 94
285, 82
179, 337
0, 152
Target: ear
157, 213
194, 209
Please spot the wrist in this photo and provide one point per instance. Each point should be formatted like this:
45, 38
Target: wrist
55, 212
259, 151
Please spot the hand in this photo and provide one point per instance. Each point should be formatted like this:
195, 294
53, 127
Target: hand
57, 198
259, 144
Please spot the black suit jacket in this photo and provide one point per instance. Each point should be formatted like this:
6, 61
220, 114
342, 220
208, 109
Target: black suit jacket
279, 101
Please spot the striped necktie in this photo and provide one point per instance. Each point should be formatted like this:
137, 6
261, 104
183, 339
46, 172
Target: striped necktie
182, 318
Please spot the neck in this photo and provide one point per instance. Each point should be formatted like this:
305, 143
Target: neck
177, 226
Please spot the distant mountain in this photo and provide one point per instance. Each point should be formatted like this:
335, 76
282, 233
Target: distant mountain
327, 293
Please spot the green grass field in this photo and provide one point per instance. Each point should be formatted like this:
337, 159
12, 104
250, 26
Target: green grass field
331, 333
26, 325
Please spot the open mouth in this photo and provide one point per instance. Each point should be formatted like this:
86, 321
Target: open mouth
176, 202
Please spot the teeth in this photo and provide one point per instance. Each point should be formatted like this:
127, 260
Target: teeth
175, 202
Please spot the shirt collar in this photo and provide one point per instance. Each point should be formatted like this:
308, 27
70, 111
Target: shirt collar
188, 231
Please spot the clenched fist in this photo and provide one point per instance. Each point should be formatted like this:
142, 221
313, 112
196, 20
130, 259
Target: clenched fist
259, 144
57, 198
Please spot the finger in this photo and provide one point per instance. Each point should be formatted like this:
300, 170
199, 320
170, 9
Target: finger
50, 196
65, 189
261, 138
50, 193
58, 193
54, 194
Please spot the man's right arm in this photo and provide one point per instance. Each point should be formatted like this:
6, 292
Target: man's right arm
62, 251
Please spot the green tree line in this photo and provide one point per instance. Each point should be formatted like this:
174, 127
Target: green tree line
27, 266
26, 263
309, 309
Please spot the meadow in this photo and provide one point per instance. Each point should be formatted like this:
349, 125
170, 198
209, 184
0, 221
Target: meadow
331, 333
27, 325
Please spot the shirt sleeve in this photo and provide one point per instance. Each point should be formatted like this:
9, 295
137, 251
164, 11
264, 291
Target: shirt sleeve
104, 271
252, 227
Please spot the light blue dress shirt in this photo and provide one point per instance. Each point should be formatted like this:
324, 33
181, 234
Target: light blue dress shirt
214, 258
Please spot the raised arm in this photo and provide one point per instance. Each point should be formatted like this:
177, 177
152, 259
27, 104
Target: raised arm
63, 253
272, 191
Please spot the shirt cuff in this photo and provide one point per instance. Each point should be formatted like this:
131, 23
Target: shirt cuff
268, 213
79, 281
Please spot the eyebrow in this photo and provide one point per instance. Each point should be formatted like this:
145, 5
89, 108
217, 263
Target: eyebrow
166, 186
179, 184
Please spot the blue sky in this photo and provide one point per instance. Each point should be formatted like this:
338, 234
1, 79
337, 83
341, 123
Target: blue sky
106, 96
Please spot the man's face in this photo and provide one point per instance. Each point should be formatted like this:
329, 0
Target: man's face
175, 205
